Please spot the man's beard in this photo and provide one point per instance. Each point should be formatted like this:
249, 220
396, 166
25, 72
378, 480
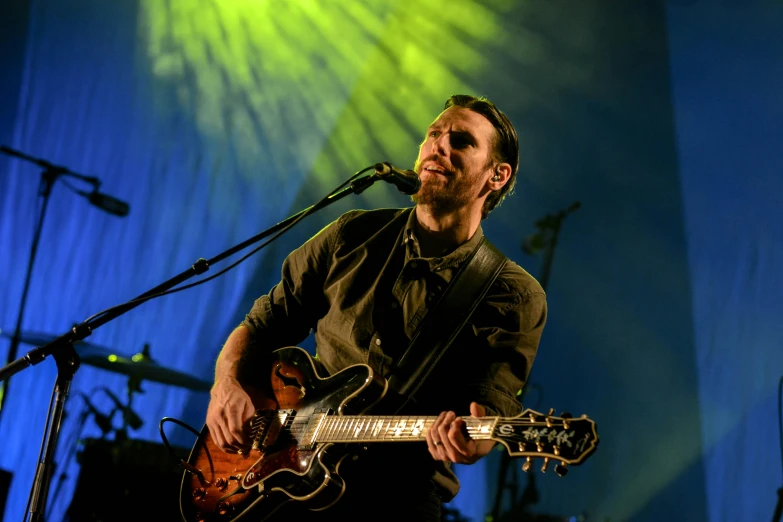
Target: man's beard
446, 194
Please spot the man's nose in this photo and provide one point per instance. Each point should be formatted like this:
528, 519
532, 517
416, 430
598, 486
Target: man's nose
442, 145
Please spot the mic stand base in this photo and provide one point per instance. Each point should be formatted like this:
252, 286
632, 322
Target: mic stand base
67, 363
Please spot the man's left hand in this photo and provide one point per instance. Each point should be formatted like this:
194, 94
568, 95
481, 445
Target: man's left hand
447, 438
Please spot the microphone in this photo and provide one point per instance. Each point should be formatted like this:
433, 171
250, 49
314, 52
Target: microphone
106, 203
103, 421
130, 417
406, 181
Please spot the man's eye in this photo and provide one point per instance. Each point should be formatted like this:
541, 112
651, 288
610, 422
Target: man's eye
434, 134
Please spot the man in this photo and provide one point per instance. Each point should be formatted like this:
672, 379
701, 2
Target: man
364, 284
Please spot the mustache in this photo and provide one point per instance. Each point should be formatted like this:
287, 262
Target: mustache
439, 160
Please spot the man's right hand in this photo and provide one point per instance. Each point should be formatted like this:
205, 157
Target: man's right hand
229, 411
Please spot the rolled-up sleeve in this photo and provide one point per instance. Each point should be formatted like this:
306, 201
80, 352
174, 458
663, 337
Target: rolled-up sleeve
506, 331
285, 315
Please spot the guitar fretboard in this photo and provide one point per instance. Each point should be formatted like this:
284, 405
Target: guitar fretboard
392, 428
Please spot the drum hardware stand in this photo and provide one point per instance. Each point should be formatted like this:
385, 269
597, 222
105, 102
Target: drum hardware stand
62, 348
546, 238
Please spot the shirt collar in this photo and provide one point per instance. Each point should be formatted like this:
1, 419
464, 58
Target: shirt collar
455, 258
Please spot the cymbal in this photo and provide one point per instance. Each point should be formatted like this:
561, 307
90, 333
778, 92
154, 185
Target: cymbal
139, 366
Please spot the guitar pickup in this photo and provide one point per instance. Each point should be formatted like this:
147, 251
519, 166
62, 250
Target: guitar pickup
314, 424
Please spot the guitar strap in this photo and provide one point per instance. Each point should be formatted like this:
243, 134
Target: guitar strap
445, 320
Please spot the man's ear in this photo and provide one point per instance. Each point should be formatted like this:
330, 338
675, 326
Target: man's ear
500, 177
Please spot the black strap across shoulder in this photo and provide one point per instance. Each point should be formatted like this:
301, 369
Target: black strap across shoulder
445, 320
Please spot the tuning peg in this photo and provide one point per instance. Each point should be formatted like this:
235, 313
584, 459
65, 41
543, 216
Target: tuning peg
561, 469
527, 465
565, 415
545, 465
551, 411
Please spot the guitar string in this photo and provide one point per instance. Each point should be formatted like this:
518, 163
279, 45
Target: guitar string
301, 427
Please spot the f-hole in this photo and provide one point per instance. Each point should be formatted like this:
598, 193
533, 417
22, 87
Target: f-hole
289, 381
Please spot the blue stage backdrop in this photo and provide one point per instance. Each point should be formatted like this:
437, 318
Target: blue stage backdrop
217, 119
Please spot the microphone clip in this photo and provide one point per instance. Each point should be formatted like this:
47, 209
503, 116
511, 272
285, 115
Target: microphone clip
406, 181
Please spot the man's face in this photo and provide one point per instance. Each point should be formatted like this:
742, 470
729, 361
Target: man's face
454, 159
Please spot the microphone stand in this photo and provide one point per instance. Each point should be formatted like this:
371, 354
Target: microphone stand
546, 237
49, 176
67, 359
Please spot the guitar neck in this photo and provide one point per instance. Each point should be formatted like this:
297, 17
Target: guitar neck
363, 428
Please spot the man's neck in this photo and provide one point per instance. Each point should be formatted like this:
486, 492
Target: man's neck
441, 233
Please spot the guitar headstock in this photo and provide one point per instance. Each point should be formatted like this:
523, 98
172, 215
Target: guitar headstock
564, 439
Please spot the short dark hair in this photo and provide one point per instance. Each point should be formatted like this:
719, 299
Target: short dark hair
505, 144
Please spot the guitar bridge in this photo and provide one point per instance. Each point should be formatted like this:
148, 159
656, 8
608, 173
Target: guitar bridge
265, 425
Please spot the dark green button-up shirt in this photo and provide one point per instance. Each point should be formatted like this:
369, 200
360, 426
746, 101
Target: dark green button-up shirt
363, 288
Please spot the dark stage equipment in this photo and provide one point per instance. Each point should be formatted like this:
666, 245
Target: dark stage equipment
126, 481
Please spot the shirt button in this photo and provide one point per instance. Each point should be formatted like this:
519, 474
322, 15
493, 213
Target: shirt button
378, 342
413, 265
394, 305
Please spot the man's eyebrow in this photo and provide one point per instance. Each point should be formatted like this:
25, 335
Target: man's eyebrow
463, 134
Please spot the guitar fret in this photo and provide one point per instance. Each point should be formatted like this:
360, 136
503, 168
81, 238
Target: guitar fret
338, 428
397, 422
344, 427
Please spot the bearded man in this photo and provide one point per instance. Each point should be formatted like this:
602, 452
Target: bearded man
364, 285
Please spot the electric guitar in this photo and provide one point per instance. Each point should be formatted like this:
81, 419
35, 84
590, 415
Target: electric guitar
308, 425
